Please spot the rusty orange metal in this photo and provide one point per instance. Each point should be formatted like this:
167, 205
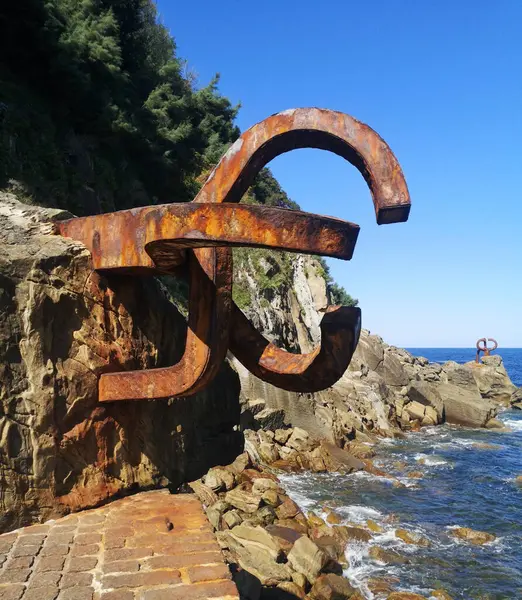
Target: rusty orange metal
160, 239
484, 347
155, 237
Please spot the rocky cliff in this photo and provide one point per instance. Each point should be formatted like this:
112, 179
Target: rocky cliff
385, 389
61, 325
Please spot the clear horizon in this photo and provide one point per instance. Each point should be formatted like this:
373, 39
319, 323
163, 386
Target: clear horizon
439, 82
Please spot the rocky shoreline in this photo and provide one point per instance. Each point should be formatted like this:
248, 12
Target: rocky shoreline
274, 549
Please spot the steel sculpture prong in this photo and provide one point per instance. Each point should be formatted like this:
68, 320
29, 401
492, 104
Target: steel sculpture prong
158, 239
484, 347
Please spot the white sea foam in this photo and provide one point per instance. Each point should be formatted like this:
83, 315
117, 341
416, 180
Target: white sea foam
430, 461
514, 424
359, 514
370, 477
359, 567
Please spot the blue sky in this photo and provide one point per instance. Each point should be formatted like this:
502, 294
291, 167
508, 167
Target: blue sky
442, 83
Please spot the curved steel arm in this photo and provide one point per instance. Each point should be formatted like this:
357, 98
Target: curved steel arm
210, 298
312, 128
366, 150
313, 372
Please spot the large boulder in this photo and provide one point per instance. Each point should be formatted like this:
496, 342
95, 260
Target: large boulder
61, 326
427, 394
492, 379
465, 406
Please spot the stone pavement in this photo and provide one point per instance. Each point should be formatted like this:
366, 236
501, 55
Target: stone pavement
151, 546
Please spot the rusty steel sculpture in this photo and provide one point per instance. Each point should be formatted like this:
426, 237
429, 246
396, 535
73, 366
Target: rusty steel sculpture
484, 347
195, 239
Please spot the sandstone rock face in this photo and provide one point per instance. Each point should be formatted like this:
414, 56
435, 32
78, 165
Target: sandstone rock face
385, 388
477, 538
61, 325
492, 379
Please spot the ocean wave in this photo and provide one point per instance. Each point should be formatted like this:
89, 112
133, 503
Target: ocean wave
359, 514
514, 424
430, 461
359, 568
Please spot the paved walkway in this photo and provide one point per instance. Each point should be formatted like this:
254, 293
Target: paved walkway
151, 546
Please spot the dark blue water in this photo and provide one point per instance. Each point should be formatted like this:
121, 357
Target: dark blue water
469, 480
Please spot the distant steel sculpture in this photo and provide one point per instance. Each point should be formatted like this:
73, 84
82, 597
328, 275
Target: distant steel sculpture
197, 238
484, 347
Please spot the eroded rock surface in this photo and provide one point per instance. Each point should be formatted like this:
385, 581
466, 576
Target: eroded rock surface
386, 389
61, 325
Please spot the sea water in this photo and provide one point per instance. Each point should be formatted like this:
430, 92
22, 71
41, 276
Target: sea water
469, 480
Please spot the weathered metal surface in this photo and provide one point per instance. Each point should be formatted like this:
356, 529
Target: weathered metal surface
161, 238
484, 347
155, 237
312, 128
318, 370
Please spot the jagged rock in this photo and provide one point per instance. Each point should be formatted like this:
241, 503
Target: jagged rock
316, 460
306, 558
330, 545
332, 517
257, 537
477, 538
61, 326
288, 509
232, 518
492, 379
516, 399
204, 493
495, 424
252, 446
430, 416
331, 587
293, 524
386, 556
260, 564
360, 449
288, 454
266, 515
240, 463
282, 435
299, 579
427, 394
358, 534
392, 370
314, 520
381, 585
415, 410
271, 498
268, 453
265, 436
285, 536
242, 498
373, 526
261, 484
299, 440
410, 537
251, 474
215, 512
270, 418
219, 479
339, 460
463, 406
